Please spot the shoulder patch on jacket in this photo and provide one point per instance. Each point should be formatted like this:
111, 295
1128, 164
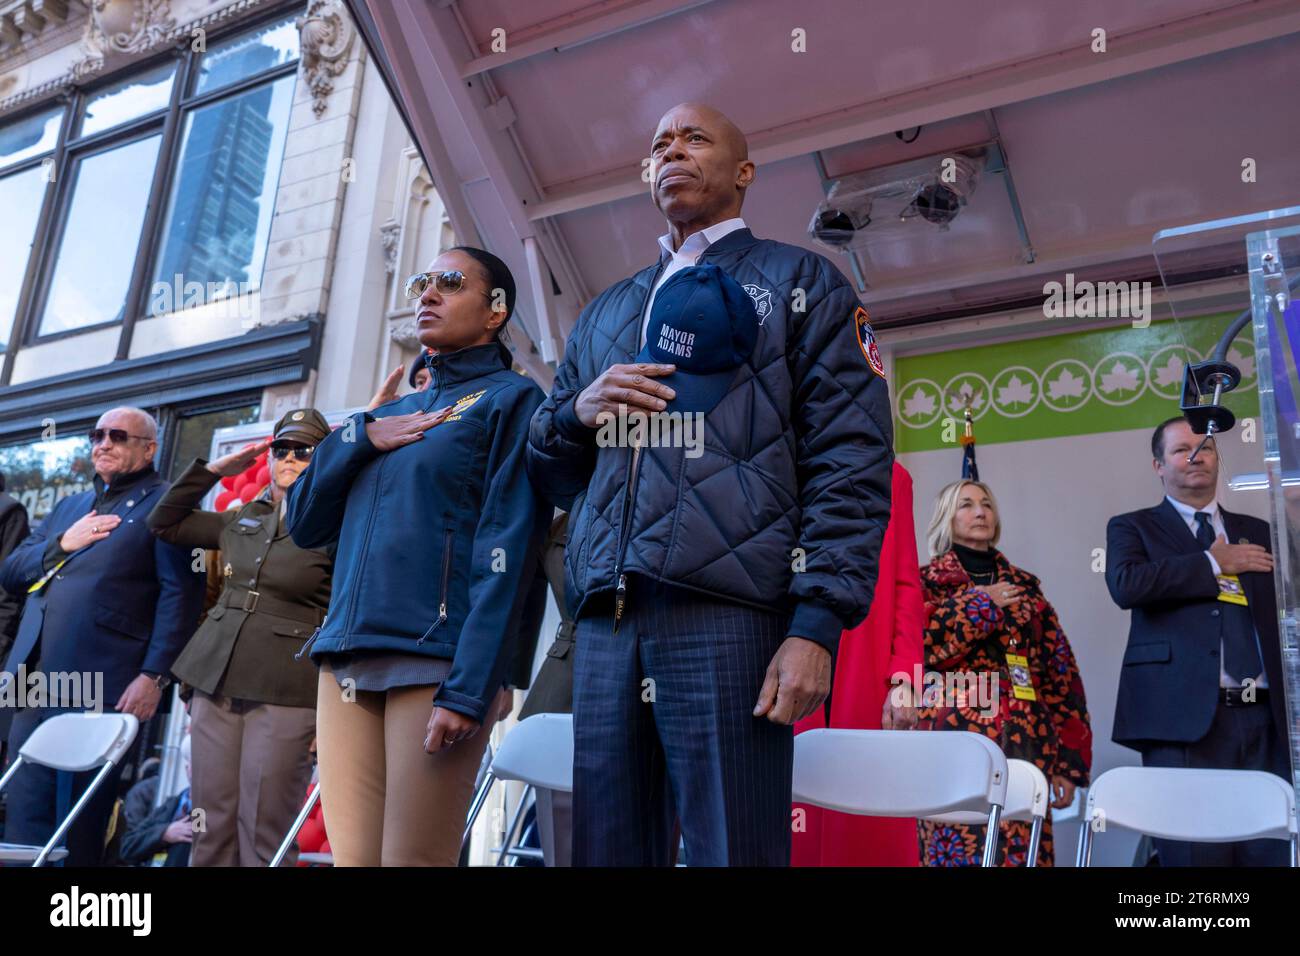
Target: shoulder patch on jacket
867, 341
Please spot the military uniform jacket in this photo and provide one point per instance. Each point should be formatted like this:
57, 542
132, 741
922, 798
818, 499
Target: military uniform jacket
275, 595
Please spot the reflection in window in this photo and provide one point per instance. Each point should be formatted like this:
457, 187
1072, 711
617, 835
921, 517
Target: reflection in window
194, 434
29, 137
100, 236
146, 93
42, 473
219, 216
20, 198
250, 53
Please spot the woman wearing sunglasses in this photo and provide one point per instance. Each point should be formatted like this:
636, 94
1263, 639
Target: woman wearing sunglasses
253, 708
438, 531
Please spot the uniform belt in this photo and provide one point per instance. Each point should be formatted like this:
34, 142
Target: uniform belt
1232, 696
255, 602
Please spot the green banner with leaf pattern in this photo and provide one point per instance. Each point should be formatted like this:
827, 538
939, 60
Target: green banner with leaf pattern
1078, 383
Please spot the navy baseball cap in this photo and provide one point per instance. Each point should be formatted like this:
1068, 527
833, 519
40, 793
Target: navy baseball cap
704, 323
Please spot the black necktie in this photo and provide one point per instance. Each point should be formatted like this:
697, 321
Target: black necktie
1204, 530
1240, 649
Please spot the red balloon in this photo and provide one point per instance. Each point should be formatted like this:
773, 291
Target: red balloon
228, 482
224, 499
247, 491
263, 477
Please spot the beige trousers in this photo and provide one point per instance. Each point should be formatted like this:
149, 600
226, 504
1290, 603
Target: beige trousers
385, 801
250, 767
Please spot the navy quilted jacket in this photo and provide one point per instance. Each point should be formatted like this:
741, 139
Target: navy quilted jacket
787, 506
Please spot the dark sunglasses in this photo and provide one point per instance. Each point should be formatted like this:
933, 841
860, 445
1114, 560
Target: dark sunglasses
115, 435
301, 452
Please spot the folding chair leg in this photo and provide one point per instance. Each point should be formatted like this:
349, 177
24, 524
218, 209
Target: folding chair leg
1295, 849
13, 769
1035, 835
476, 806
292, 835
62, 828
991, 837
516, 823
1084, 857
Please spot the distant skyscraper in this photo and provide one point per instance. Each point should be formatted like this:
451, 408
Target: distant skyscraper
215, 207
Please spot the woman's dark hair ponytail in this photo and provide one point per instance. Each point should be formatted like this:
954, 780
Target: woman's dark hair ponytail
499, 277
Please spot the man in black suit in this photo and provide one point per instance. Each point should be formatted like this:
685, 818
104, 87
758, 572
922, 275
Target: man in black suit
108, 608
13, 529
1201, 684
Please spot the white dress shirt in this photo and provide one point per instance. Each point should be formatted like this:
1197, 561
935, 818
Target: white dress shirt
1188, 514
685, 257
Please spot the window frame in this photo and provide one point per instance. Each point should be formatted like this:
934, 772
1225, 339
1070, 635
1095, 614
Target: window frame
68, 152
169, 421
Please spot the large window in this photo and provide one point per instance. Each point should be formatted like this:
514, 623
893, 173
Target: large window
42, 473
149, 193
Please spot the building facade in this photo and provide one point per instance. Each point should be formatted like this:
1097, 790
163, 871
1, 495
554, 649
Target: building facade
209, 207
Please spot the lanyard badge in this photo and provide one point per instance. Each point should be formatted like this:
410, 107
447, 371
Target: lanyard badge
1022, 685
1230, 589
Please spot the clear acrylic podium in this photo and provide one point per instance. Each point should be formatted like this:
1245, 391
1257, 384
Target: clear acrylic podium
1247, 269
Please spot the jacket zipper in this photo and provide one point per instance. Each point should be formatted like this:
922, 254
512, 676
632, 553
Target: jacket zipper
620, 591
634, 472
442, 595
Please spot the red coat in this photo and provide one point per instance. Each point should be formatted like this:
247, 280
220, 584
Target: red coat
887, 642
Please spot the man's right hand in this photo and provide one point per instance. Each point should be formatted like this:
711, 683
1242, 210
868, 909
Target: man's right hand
87, 530
1236, 558
632, 386
394, 431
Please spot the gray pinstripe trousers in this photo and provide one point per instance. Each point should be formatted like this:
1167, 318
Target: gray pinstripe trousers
664, 728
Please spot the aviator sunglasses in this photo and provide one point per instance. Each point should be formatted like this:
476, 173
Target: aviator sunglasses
447, 283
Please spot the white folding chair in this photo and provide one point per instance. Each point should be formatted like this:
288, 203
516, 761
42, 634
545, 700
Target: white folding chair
1193, 805
537, 752
1026, 802
312, 799
73, 743
901, 773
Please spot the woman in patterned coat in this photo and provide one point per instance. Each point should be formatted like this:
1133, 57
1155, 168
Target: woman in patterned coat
984, 617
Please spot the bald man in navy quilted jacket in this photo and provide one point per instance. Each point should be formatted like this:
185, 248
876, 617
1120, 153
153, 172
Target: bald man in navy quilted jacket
710, 575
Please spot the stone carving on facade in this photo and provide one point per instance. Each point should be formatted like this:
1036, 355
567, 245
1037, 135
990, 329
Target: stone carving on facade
117, 30
326, 35
389, 233
22, 21
404, 333
123, 27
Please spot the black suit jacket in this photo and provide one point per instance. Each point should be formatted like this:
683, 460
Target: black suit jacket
13, 529
1169, 683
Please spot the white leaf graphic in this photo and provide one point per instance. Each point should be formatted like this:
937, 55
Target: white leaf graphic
1120, 378
1170, 373
920, 404
957, 401
1016, 392
1067, 384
